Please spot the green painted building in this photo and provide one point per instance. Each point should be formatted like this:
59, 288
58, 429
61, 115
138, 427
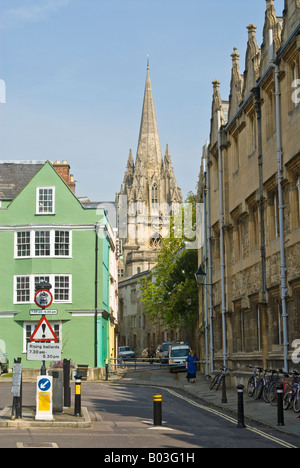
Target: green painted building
46, 234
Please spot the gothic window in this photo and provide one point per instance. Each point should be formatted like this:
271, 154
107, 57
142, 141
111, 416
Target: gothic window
155, 241
154, 196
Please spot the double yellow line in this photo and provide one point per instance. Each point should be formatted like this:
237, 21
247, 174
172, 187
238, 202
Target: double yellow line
231, 419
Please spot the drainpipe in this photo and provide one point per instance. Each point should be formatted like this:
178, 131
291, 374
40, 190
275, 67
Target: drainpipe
96, 298
205, 261
261, 194
281, 206
209, 257
222, 252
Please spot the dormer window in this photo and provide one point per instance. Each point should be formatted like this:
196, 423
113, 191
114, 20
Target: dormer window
45, 200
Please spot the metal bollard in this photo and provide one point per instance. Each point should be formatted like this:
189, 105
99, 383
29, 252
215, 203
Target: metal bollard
106, 370
280, 416
77, 408
157, 410
67, 388
224, 396
241, 416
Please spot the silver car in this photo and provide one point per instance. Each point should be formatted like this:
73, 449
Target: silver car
125, 352
4, 363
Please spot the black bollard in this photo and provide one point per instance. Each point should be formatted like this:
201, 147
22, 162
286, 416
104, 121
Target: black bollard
241, 416
106, 370
280, 416
67, 389
224, 396
157, 410
77, 409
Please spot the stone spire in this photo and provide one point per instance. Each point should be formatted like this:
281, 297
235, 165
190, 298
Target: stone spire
149, 150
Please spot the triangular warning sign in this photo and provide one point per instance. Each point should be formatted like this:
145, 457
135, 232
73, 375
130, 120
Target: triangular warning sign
43, 332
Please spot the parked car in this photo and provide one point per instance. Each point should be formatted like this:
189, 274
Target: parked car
178, 354
4, 364
125, 352
163, 352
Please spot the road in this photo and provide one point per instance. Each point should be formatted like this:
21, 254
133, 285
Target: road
122, 415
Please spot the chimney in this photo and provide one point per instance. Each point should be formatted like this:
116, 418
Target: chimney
63, 169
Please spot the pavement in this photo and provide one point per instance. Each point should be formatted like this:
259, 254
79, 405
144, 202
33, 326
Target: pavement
254, 410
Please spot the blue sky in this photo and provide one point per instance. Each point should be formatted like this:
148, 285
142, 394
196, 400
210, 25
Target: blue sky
75, 73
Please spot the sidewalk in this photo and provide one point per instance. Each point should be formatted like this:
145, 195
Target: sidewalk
255, 410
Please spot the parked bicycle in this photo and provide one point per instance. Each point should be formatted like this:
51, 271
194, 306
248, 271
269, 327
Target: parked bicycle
271, 381
291, 396
287, 383
256, 382
217, 380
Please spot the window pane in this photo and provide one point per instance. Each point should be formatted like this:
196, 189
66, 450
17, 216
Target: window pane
42, 243
62, 243
62, 288
23, 289
23, 244
45, 201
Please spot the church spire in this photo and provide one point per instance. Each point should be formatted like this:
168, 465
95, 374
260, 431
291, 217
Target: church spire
149, 150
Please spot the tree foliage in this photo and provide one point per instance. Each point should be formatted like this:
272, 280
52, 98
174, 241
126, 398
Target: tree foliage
169, 293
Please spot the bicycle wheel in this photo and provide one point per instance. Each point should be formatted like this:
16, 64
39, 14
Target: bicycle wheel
258, 390
214, 382
296, 403
251, 386
221, 377
265, 393
273, 398
287, 400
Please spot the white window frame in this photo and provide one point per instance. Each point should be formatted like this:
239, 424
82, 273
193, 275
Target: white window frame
52, 243
46, 213
32, 287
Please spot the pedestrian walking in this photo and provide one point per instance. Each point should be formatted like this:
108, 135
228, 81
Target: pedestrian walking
151, 354
191, 366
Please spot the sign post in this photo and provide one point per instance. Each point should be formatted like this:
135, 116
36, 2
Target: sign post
43, 345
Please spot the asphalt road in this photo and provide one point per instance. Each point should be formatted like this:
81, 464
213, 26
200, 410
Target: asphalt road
122, 415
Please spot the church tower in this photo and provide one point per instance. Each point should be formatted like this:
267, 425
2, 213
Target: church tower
148, 196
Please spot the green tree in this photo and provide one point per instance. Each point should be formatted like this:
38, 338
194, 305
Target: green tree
169, 293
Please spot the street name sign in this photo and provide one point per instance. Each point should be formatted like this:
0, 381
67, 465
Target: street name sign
44, 351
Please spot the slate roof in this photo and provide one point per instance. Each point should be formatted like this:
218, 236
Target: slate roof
15, 175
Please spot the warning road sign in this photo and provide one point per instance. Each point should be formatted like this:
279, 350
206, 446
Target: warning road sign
43, 332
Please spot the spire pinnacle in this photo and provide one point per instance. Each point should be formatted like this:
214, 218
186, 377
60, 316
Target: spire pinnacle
149, 149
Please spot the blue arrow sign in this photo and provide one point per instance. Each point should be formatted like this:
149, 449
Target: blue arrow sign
44, 384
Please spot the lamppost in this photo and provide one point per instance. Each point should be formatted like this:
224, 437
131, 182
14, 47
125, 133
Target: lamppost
200, 276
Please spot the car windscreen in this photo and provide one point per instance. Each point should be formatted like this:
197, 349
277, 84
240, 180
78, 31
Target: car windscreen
183, 352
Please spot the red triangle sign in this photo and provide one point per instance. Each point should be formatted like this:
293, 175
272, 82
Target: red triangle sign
43, 332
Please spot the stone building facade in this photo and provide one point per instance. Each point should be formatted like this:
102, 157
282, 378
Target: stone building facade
250, 182
147, 198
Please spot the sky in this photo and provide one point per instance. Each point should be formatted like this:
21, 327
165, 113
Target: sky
75, 74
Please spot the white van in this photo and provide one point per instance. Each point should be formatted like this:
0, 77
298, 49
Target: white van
178, 354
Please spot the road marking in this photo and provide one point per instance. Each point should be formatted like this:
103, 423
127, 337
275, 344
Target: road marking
230, 419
